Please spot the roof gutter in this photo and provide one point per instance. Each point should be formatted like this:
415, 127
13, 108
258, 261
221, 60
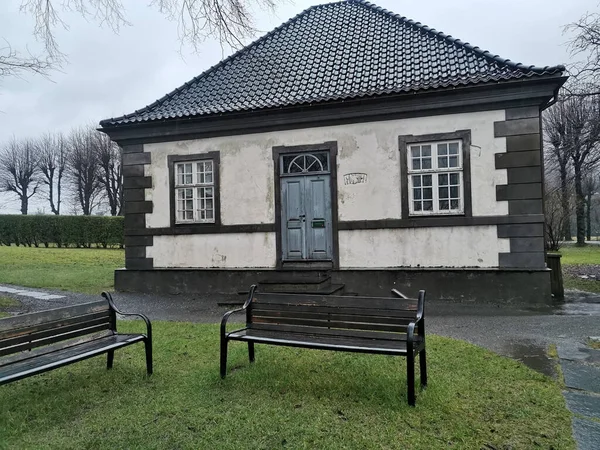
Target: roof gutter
555, 95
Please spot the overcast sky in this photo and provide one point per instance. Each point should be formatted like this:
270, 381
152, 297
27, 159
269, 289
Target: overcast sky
112, 74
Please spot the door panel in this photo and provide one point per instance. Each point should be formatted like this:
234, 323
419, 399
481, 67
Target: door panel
293, 236
318, 217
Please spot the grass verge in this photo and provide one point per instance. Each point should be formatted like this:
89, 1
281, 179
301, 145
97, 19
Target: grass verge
6, 303
72, 269
580, 256
289, 398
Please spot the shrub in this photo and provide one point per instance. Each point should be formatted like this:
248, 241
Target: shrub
62, 231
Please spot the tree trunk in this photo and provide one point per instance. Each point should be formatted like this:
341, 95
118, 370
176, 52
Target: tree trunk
566, 227
588, 217
579, 206
24, 203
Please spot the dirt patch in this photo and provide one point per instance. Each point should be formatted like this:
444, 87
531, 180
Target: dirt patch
584, 272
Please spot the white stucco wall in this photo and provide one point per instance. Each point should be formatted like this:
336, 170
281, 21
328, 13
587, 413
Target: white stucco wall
425, 247
247, 195
214, 250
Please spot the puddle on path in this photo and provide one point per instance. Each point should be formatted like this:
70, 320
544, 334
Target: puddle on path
533, 355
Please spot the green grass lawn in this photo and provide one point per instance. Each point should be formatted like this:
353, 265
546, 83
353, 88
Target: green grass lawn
71, 269
573, 256
6, 303
290, 398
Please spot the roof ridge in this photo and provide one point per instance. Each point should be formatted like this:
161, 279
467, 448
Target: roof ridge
220, 63
486, 54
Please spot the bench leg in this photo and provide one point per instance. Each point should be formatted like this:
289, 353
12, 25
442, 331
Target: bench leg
251, 351
148, 346
223, 357
110, 357
410, 378
423, 367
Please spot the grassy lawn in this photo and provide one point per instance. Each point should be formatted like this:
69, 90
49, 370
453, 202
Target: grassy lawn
574, 256
5, 303
289, 398
78, 270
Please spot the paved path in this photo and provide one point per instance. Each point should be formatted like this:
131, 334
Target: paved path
518, 332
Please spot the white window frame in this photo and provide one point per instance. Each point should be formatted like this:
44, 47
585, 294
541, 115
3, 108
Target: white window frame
435, 171
198, 183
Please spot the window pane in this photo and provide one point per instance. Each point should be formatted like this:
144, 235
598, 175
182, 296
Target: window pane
454, 204
428, 206
427, 180
442, 149
427, 193
454, 178
454, 192
453, 148
416, 164
209, 214
189, 215
444, 205
415, 151
443, 162
443, 192
426, 150
426, 163
416, 181
208, 166
417, 206
417, 194
208, 178
453, 161
443, 179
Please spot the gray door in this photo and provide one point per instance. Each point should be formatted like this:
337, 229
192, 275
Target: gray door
306, 218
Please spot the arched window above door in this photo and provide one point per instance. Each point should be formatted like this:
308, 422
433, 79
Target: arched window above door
305, 163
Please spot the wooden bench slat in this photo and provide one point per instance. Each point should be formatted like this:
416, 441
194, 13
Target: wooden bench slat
377, 335
60, 330
330, 324
52, 339
60, 358
36, 352
52, 315
350, 343
338, 316
396, 313
330, 301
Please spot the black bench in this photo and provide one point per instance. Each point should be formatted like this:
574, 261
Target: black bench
388, 326
42, 341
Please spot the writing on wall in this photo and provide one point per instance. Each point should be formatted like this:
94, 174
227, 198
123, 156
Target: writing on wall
355, 178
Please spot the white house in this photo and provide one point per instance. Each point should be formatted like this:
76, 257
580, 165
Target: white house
350, 148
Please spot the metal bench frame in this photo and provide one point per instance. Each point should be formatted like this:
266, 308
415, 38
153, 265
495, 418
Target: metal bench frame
35, 343
341, 329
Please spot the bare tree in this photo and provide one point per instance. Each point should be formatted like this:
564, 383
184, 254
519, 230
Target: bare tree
556, 216
229, 21
591, 185
586, 43
558, 156
52, 151
19, 170
111, 176
83, 169
583, 131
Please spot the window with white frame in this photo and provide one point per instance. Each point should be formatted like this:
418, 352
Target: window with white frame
195, 191
435, 178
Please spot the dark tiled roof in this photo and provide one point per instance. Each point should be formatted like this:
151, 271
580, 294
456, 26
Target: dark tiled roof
335, 51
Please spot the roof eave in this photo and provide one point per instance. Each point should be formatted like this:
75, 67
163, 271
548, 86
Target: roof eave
535, 91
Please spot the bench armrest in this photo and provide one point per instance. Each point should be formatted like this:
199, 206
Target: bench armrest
243, 308
108, 297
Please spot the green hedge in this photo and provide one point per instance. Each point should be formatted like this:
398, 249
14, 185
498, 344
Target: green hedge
62, 231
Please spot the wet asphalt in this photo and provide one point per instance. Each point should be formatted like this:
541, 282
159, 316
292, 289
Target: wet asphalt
517, 331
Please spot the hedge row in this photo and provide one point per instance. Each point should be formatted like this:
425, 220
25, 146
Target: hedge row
62, 231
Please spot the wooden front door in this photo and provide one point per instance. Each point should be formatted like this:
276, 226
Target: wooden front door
306, 208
